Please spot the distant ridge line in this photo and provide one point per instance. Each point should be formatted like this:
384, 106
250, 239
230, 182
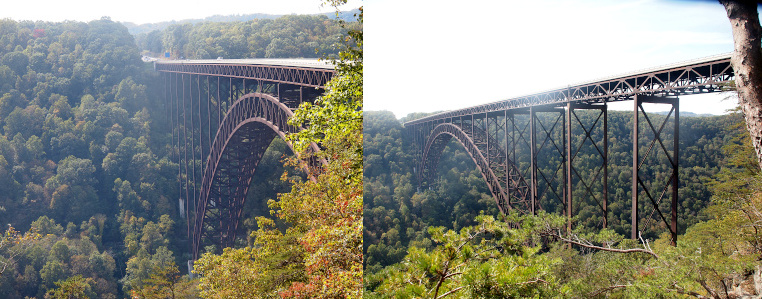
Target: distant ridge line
136, 29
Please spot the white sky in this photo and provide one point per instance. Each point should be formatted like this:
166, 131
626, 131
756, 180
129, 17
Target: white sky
152, 11
425, 56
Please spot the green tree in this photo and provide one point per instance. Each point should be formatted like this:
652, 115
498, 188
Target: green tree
75, 287
166, 282
489, 260
12, 243
17, 61
323, 246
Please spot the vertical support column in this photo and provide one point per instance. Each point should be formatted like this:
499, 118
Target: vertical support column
472, 126
209, 115
219, 104
675, 167
505, 140
185, 150
200, 134
568, 186
487, 135
176, 146
193, 135
635, 163
605, 165
532, 160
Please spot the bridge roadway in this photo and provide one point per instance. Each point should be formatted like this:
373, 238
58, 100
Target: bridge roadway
223, 115
493, 133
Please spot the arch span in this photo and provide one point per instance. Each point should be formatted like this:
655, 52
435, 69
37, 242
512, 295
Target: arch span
508, 193
247, 130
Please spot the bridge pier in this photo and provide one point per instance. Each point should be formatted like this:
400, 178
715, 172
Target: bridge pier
638, 180
217, 160
572, 150
520, 184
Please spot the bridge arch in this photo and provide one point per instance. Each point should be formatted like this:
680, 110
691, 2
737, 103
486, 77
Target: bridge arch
440, 136
245, 133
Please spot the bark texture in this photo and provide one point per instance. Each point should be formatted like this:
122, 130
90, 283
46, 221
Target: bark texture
747, 65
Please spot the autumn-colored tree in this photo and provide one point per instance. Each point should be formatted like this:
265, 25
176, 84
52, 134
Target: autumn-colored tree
12, 243
320, 254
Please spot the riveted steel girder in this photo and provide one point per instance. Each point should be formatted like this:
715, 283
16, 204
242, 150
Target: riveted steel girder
223, 116
491, 134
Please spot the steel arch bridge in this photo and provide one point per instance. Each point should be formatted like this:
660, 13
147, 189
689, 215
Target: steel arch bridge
223, 115
508, 139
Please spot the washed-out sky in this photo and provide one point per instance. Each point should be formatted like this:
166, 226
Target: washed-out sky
426, 56
153, 11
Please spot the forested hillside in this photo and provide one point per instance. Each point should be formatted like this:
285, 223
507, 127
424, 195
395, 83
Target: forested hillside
85, 156
306, 36
136, 29
397, 217
450, 241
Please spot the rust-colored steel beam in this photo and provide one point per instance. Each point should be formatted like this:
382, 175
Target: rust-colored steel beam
492, 135
217, 160
572, 150
309, 75
638, 183
692, 77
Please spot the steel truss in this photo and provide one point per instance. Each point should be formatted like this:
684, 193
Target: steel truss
693, 77
221, 125
588, 178
508, 147
640, 180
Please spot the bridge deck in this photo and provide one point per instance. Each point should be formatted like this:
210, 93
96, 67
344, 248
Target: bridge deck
302, 63
302, 72
688, 77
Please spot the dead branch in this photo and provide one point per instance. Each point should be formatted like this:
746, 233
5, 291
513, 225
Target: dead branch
591, 246
606, 289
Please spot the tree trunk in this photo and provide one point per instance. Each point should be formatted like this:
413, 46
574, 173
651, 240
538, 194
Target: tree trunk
747, 65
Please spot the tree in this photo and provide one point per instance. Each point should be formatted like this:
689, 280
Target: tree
320, 254
17, 61
12, 243
747, 65
270, 265
488, 260
75, 287
165, 282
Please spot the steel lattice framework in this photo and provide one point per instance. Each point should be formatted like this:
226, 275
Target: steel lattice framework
223, 116
507, 140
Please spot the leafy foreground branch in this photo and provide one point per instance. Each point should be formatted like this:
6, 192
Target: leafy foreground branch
320, 254
494, 259
486, 260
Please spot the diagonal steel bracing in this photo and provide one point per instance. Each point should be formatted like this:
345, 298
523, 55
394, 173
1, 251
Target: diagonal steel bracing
588, 179
223, 115
640, 187
528, 165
